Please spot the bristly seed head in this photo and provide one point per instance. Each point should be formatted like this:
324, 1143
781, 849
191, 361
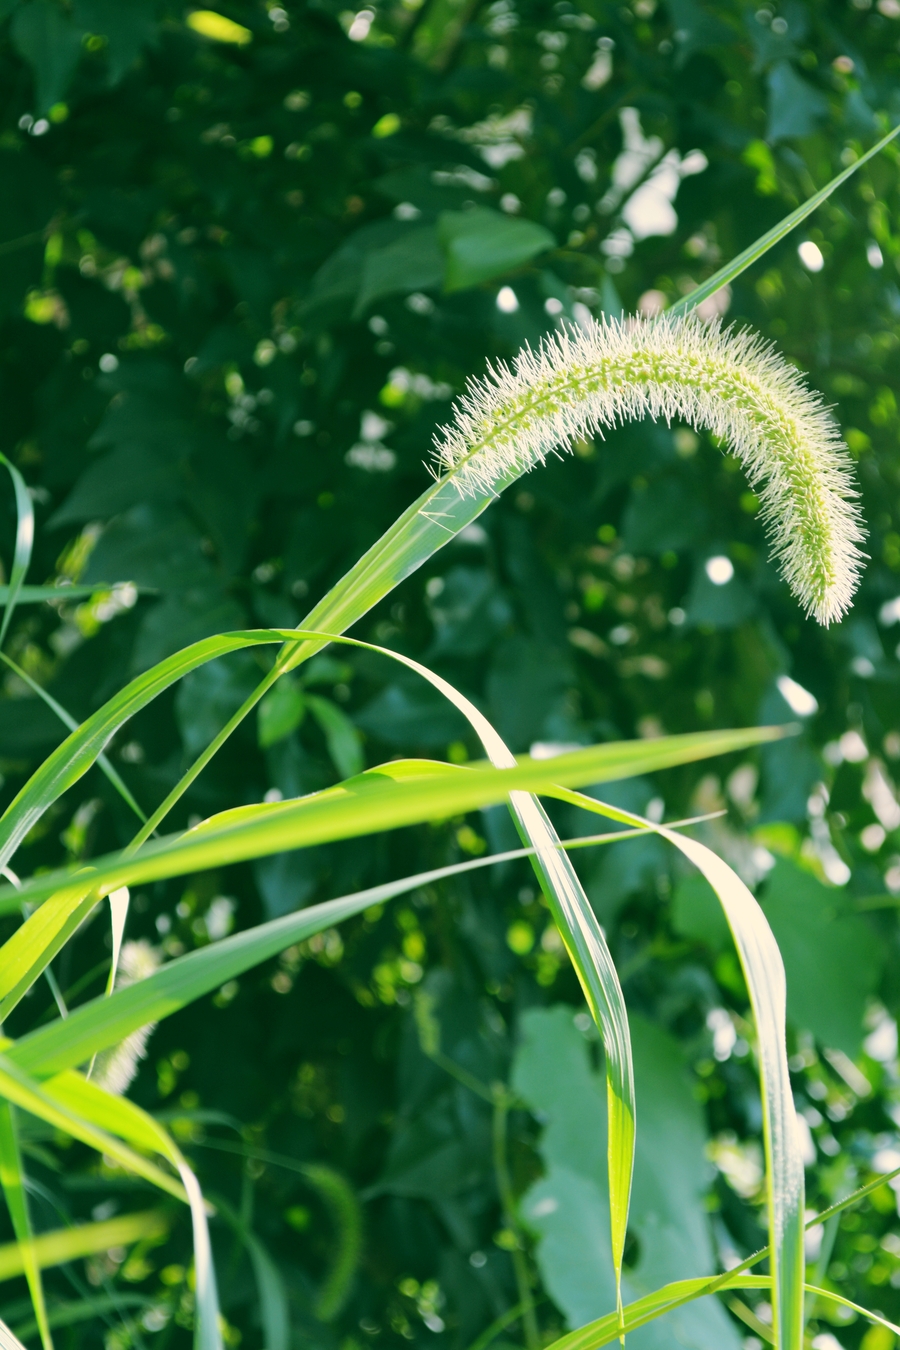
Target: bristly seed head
729, 383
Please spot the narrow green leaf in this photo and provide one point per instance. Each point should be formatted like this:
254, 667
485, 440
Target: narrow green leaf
764, 973
771, 237
23, 546
68, 1314
590, 955
605, 1329
92, 1110
33, 595
19, 1089
13, 1181
68, 720
69, 1244
71, 760
106, 1021
33, 946
380, 800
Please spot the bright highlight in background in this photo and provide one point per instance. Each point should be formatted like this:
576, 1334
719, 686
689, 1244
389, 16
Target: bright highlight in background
874, 255
811, 256
507, 300
798, 699
217, 28
720, 570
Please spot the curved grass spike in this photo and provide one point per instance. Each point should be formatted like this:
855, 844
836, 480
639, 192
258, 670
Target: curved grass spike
730, 383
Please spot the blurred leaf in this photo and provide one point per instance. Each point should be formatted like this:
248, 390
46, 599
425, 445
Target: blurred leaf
697, 914
341, 736
280, 712
208, 697
467, 612
46, 36
481, 244
68, 1244
832, 958
413, 263
410, 713
127, 29
668, 513
795, 107
569, 1207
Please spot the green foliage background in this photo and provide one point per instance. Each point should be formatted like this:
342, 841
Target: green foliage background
240, 283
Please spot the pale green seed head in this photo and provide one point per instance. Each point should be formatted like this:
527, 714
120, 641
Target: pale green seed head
679, 369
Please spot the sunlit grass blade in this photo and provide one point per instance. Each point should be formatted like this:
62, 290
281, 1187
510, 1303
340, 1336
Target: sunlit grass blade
70, 1244
378, 800
771, 237
590, 955
13, 1181
69, 721
671, 1296
72, 759
101, 1119
119, 902
764, 974
23, 546
22, 1091
33, 946
8, 1339
106, 1021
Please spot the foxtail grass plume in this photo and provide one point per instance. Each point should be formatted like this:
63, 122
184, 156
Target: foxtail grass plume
729, 383
116, 1067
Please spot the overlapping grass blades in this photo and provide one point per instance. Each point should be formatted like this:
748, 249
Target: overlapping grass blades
13, 1180
400, 793
764, 975
373, 801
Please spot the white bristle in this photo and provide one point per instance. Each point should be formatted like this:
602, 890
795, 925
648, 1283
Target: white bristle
727, 382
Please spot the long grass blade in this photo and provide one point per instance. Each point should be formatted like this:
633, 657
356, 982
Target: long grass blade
33, 946
106, 1021
70, 1244
590, 955
93, 1108
22, 1091
23, 546
776, 234
764, 974
396, 794
33, 595
69, 721
71, 760
13, 1181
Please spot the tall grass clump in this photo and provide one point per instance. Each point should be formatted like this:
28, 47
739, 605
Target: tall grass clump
72, 1072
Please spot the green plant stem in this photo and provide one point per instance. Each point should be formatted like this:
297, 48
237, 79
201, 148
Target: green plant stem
200, 763
499, 1324
502, 1103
